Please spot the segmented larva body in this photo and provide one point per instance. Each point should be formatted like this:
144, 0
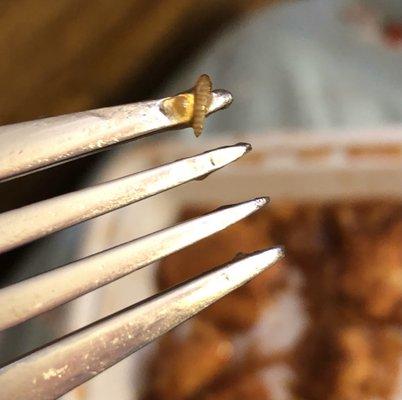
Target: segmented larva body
202, 101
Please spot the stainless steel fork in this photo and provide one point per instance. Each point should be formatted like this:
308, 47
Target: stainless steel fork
55, 369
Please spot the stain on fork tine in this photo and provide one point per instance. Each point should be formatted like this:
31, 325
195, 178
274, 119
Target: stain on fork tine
59, 367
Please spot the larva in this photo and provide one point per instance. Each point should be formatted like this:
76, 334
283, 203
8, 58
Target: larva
202, 101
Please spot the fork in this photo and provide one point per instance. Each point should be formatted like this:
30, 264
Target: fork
53, 370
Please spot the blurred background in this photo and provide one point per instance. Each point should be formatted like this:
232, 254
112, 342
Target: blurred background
309, 65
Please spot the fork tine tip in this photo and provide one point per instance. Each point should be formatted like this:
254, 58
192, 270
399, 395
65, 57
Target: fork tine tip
221, 99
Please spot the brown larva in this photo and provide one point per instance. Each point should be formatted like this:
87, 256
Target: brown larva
202, 101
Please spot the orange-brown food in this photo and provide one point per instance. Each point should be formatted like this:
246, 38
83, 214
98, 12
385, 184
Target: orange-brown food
367, 364
350, 258
350, 362
371, 265
202, 101
186, 365
247, 386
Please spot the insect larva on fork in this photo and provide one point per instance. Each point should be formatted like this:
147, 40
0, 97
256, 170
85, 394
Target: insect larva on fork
192, 105
202, 100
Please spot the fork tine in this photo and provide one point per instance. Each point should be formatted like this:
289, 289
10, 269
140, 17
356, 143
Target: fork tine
34, 145
36, 295
59, 367
40, 219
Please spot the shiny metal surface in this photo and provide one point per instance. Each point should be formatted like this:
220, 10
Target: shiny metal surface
59, 367
34, 145
36, 295
40, 219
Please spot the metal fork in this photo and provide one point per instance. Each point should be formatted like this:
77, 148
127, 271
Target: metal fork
55, 369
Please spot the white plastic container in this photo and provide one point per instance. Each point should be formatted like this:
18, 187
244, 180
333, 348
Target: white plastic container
300, 167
